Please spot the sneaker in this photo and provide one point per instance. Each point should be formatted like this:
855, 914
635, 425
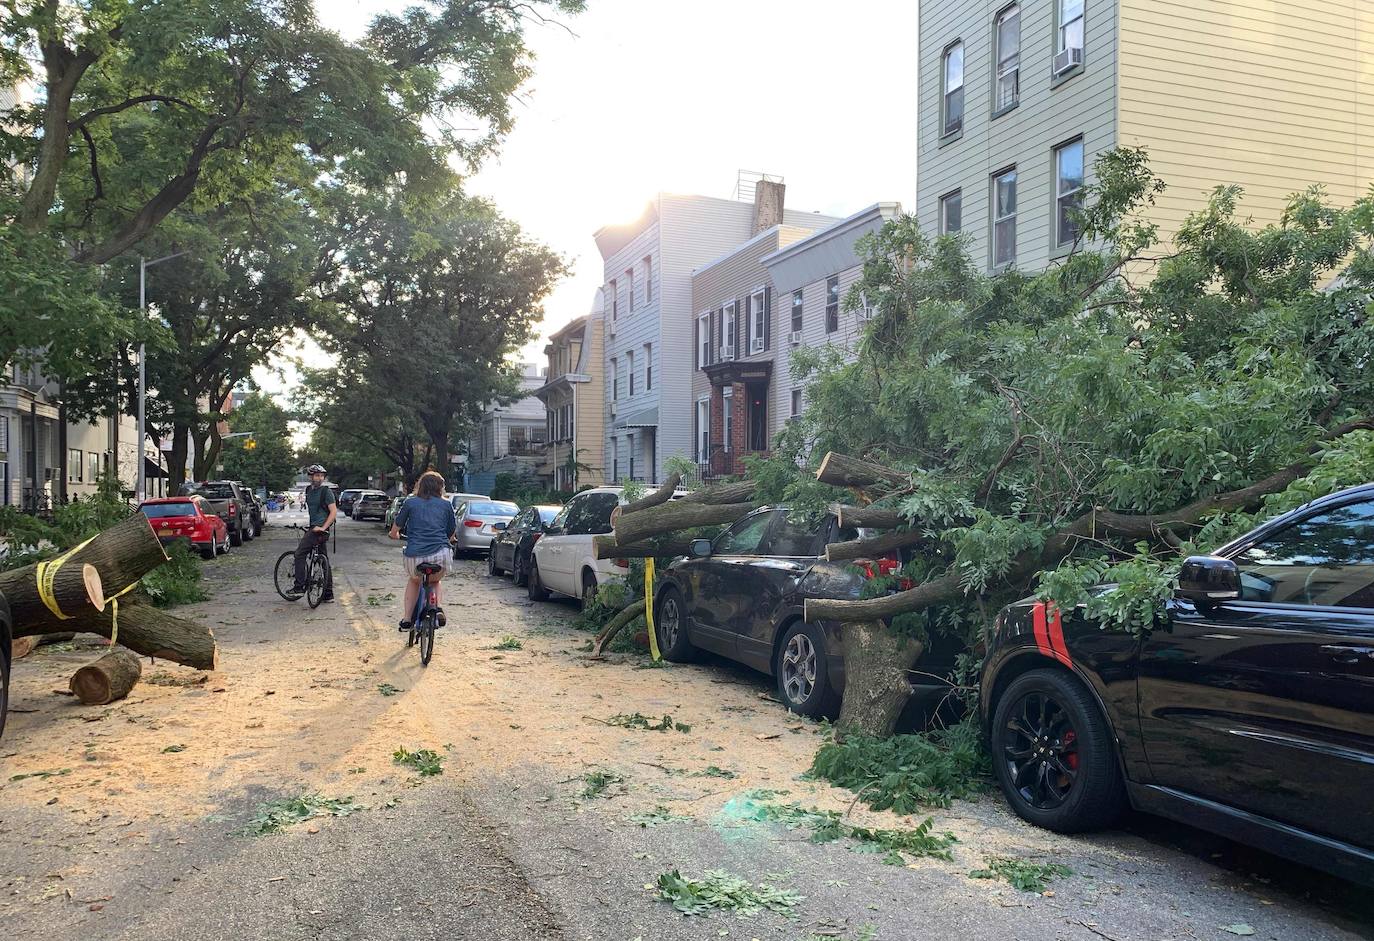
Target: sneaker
442, 619
327, 599
406, 627
295, 594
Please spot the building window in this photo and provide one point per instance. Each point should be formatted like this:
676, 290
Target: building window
648, 366
832, 304
703, 431
92, 466
728, 394
75, 466
568, 428
796, 402
758, 322
1004, 218
630, 288
1007, 90
630, 370
615, 299
729, 331
1068, 191
703, 341
615, 459
953, 104
630, 441
1068, 44
951, 212
797, 311
648, 278
615, 380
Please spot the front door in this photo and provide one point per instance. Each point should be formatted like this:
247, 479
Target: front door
1267, 703
723, 589
757, 416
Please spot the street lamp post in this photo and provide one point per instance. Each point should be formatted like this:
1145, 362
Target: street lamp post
143, 266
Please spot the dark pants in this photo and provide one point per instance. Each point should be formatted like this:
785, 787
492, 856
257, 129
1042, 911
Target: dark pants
310, 540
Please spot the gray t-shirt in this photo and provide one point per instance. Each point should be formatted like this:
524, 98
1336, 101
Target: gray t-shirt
428, 523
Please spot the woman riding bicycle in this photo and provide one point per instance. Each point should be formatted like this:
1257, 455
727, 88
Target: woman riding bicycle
429, 525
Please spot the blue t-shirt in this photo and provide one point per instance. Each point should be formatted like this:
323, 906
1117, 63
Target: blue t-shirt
428, 522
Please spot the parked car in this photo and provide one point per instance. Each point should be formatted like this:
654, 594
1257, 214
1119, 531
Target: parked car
346, 498
742, 594
563, 561
187, 519
226, 500
6, 655
479, 521
510, 550
458, 499
393, 508
257, 514
371, 505
1248, 709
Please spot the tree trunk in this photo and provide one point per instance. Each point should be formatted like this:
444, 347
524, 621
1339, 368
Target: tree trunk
605, 547
867, 517
874, 548
176, 458
876, 687
675, 516
614, 625
741, 491
120, 556
661, 495
107, 679
841, 470
151, 632
198, 469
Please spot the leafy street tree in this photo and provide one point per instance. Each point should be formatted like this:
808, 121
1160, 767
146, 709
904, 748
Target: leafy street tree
1093, 422
267, 459
436, 300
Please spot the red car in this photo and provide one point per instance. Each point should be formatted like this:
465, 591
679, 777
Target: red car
176, 519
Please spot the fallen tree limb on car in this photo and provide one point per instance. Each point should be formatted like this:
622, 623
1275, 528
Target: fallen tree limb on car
875, 547
605, 547
661, 495
630, 528
613, 626
841, 470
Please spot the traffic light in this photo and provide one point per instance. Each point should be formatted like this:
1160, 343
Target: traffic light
250, 445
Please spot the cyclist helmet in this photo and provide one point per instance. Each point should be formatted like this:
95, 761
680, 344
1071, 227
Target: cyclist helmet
315, 469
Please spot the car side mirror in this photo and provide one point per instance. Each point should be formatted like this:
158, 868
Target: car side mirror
701, 548
1208, 579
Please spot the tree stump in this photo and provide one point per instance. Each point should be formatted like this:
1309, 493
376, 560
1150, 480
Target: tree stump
107, 679
876, 661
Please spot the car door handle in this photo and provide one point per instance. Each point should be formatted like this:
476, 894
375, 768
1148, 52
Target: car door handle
1347, 654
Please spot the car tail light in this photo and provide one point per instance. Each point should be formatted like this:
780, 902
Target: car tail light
233, 509
475, 524
621, 563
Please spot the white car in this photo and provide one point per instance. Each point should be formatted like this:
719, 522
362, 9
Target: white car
563, 561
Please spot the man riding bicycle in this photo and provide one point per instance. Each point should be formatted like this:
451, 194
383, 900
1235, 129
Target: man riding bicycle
323, 509
429, 525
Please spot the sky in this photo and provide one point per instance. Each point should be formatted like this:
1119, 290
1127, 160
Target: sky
643, 96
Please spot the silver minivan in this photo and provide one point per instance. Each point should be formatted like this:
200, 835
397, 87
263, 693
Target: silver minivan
479, 520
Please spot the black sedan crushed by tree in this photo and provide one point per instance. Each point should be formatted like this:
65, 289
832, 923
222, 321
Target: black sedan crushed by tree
1247, 709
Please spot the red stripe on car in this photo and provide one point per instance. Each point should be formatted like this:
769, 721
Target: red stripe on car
1058, 647
1042, 634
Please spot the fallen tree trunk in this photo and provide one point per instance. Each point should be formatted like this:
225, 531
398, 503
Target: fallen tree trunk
107, 679
661, 495
867, 517
876, 661
841, 470
874, 548
605, 547
149, 631
671, 517
119, 556
614, 625
740, 491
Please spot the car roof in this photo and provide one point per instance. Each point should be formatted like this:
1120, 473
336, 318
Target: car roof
497, 502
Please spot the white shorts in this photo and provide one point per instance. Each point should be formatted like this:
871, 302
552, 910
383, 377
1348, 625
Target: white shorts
443, 557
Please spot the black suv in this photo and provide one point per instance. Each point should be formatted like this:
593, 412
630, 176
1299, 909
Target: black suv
253, 506
742, 596
1248, 709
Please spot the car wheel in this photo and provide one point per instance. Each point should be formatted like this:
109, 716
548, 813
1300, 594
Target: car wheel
670, 626
803, 672
257, 530
535, 587
517, 572
210, 551
589, 589
1053, 756
492, 568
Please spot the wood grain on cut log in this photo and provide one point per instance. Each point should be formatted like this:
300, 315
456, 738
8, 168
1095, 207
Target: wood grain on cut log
876, 661
614, 625
76, 587
675, 516
22, 646
149, 631
605, 547
120, 556
841, 470
874, 548
107, 679
661, 495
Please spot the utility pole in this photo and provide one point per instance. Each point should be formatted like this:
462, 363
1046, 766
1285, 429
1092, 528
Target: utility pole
143, 266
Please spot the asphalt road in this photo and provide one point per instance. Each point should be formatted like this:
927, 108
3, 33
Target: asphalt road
502, 845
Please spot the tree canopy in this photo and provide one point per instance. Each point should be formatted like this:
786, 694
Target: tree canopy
266, 459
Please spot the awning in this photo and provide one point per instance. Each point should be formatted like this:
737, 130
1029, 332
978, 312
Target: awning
151, 469
648, 418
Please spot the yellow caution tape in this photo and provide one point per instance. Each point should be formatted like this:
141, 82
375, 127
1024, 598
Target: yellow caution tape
46, 578
649, 607
114, 613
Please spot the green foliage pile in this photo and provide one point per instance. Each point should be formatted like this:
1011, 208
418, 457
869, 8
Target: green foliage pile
904, 773
635, 720
177, 581
426, 761
827, 826
718, 890
275, 816
598, 782
1024, 874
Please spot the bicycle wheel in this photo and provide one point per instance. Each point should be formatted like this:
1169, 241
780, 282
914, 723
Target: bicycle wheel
427, 637
284, 574
317, 578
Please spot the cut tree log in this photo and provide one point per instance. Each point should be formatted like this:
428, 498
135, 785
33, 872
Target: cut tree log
841, 470
613, 627
605, 547
107, 679
874, 548
661, 495
672, 517
149, 631
882, 658
76, 587
867, 517
22, 646
739, 491
120, 555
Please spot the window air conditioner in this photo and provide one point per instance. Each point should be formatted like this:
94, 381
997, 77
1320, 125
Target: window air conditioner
1067, 59
613, 410
796, 337
756, 345
727, 351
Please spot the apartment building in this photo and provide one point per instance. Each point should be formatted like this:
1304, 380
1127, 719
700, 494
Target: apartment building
649, 321
509, 439
574, 405
1018, 99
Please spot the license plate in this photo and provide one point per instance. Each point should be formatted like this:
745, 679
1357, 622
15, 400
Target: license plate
165, 532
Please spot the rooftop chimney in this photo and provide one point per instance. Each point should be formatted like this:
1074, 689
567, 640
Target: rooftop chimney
768, 202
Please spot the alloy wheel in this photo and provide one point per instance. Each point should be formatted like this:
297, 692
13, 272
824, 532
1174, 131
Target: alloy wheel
670, 622
1041, 751
799, 668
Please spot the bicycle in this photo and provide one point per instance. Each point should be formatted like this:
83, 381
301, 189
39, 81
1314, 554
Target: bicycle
425, 618
317, 573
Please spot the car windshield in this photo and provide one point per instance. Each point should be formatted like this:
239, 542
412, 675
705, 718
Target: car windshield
547, 513
478, 508
216, 491
162, 510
